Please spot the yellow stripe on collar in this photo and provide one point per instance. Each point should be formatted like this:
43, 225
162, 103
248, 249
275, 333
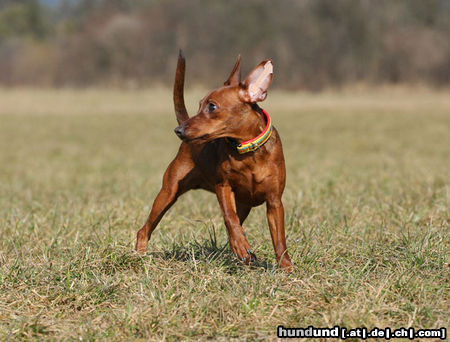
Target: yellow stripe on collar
255, 143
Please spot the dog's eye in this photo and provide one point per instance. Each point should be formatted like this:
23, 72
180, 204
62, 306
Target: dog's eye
211, 107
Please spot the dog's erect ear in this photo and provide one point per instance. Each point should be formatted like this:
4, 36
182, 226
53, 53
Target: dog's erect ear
255, 86
235, 76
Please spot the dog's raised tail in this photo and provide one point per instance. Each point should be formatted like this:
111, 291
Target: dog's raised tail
178, 90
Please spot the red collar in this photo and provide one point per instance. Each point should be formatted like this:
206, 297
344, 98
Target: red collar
255, 143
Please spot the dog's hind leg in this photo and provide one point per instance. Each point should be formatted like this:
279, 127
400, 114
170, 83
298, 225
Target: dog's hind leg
178, 179
275, 216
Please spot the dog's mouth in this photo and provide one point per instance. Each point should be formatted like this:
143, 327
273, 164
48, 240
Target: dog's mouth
197, 140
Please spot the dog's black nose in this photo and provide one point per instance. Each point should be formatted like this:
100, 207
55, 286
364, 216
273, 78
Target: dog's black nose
179, 131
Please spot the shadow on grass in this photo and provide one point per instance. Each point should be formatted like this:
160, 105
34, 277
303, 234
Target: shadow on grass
207, 251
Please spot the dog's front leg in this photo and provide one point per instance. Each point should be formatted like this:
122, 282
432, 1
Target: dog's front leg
238, 241
275, 216
175, 183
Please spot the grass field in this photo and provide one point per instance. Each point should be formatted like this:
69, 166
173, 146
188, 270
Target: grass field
367, 215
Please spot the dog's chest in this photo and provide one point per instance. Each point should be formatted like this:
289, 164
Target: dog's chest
246, 179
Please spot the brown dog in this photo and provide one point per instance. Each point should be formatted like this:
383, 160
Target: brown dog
231, 149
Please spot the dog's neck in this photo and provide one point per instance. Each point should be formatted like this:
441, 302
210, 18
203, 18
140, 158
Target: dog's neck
254, 132
254, 126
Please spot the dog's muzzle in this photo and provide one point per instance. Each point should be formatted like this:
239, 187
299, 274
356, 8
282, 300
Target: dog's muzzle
179, 131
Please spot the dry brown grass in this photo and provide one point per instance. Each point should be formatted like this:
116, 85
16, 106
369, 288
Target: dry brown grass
367, 212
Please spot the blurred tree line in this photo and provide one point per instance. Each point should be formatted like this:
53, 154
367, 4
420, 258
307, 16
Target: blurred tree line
314, 43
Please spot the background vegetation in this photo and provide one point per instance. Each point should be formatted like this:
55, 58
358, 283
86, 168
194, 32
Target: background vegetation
314, 43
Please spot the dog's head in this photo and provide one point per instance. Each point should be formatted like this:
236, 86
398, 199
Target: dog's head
225, 111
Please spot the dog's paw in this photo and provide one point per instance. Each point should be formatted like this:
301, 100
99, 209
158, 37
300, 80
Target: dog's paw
287, 266
141, 246
252, 256
249, 258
